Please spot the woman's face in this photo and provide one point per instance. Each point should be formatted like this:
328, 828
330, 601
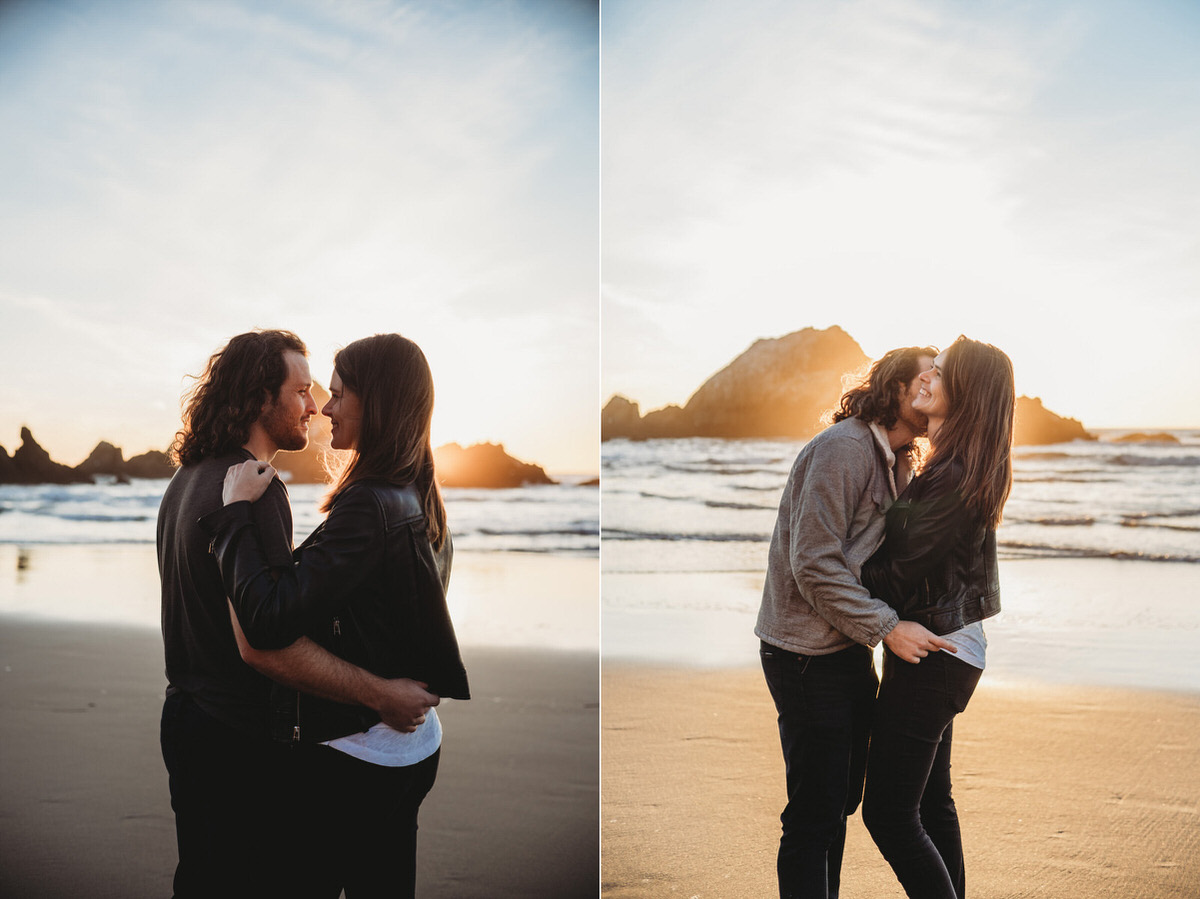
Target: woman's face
931, 398
344, 411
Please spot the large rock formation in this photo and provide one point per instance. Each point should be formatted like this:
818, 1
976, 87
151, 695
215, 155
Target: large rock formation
783, 388
620, 417
105, 459
779, 387
31, 464
484, 465
1142, 437
151, 464
1036, 425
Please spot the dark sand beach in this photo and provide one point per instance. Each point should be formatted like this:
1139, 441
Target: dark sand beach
84, 807
1062, 790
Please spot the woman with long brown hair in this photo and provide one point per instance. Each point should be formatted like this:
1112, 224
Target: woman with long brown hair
937, 566
369, 585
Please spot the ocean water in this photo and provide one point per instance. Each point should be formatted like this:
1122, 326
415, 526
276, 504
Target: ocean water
708, 504
1100, 556
561, 518
525, 561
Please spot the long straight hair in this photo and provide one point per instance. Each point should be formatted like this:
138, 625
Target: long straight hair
976, 436
390, 376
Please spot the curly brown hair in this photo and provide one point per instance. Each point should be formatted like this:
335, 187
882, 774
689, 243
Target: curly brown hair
239, 379
877, 398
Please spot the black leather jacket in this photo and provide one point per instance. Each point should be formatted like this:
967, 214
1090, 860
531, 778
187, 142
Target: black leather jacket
937, 565
367, 585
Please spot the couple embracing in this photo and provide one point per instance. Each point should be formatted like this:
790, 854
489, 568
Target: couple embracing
299, 730
864, 553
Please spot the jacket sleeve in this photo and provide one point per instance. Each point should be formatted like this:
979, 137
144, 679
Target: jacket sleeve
921, 535
277, 606
822, 508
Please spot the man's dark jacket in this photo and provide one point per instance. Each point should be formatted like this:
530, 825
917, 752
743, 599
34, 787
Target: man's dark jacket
202, 657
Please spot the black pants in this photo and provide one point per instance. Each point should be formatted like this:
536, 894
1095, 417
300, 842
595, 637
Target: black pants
360, 823
908, 808
232, 808
824, 704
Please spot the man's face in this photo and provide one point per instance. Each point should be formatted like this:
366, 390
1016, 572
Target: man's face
286, 419
914, 418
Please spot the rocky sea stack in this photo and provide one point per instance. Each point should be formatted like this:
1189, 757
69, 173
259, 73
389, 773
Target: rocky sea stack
1035, 425
31, 464
484, 465
786, 387
779, 387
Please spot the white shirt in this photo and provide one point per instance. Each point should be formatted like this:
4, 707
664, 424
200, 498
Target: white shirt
382, 745
971, 643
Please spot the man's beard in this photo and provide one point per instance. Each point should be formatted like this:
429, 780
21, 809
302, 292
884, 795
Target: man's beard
283, 430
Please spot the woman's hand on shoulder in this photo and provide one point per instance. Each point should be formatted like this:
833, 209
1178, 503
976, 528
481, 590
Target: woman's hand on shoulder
246, 481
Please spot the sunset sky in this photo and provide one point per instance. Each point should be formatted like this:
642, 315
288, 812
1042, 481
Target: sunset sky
1025, 173
176, 173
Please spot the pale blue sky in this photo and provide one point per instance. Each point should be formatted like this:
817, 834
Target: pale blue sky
1024, 173
176, 173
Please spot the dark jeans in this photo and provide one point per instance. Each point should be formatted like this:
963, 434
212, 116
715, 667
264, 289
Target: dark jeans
908, 806
360, 823
824, 704
231, 806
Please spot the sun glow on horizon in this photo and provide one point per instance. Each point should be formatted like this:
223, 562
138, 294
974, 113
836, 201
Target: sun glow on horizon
910, 172
337, 170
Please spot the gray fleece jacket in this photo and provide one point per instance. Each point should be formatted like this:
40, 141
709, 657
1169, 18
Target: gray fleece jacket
831, 519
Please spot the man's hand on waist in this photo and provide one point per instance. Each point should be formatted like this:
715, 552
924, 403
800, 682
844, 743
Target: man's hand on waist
911, 641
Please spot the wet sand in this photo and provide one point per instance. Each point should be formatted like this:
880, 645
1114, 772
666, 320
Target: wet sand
85, 811
1062, 790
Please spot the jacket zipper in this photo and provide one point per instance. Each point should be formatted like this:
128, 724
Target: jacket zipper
337, 631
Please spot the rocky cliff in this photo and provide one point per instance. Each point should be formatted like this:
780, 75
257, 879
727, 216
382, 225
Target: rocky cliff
484, 465
782, 388
31, 464
779, 387
1035, 424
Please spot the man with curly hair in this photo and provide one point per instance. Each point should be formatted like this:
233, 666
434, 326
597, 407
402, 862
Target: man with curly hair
818, 624
229, 782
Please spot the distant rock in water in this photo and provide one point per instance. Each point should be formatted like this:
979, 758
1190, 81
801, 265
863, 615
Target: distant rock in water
783, 388
484, 465
108, 460
150, 464
1036, 425
31, 464
620, 417
105, 459
779, 387
1139, 437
